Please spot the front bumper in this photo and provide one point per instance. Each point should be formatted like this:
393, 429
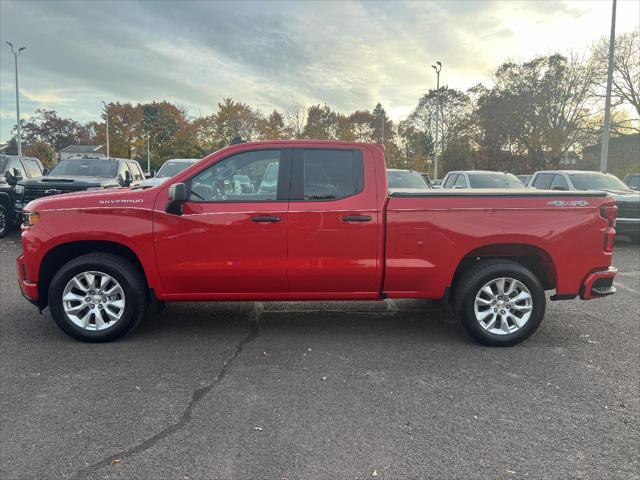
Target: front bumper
29, 289
598, 284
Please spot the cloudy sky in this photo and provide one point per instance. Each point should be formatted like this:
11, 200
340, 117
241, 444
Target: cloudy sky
270, 54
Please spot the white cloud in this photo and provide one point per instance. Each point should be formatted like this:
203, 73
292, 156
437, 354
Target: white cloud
347, 54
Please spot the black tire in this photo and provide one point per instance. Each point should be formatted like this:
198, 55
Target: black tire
127, 275
479, 275
5, 221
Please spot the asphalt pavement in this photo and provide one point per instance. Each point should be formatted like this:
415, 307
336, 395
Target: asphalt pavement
316, 390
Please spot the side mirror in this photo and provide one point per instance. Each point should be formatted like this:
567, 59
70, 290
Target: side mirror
177, 196
126, 181
45, 170
11, 178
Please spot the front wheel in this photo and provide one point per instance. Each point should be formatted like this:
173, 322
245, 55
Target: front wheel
5, 222
499, 302
97, 297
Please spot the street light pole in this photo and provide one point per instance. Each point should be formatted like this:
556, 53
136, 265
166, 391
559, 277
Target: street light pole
437, 67
604, 153
15, 57
106, 114
148, 155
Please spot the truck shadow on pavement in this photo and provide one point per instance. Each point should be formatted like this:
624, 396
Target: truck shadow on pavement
326, 320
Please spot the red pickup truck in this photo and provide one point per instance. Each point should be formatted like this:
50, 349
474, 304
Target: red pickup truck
310, 220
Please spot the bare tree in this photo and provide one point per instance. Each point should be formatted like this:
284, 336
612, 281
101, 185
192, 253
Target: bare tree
295, 118
625, 89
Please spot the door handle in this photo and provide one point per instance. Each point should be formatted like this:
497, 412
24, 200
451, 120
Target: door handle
356, 218
265, 219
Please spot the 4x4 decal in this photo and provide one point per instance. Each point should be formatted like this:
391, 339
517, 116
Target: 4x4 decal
568, 203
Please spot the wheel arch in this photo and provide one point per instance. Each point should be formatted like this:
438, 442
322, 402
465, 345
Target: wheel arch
533, 257
57, 256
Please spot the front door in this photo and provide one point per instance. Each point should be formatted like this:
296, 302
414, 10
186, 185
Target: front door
231, 237
333, 235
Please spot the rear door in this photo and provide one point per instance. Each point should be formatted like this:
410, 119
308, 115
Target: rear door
333, 224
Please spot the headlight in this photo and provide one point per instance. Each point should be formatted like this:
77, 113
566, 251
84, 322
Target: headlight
29, 219
19, 189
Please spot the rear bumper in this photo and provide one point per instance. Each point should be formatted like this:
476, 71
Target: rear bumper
598, 284
28, 289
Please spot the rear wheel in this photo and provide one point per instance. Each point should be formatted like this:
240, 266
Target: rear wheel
499, 302
97, 297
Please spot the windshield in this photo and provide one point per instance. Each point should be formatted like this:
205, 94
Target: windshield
169, 169
406, 180
494, 180
89, 167
596, 181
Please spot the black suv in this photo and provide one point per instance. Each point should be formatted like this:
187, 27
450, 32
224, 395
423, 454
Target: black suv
12, 170
78, 174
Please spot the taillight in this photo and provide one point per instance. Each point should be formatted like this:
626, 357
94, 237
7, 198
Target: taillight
610, 213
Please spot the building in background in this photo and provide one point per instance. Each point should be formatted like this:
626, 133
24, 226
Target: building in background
624, 155
82, 150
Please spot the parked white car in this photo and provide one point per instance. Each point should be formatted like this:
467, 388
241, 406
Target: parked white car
167, 170
480, 179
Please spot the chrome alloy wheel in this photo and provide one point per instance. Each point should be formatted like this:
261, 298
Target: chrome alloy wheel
503, 306
93, 300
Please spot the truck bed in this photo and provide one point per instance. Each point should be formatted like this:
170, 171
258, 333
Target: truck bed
429, 234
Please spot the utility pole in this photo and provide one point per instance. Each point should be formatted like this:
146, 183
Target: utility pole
148, 155
15, 57
437, 67
106, 114
604, 154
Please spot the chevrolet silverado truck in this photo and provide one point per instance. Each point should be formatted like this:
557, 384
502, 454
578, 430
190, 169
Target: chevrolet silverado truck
317, 223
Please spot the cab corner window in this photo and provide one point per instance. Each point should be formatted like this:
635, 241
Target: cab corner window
245, 177
330, 174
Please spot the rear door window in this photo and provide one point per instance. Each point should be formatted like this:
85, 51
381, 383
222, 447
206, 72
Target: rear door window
543, 181
324, 174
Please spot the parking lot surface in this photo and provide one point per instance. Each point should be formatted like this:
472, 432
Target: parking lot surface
322, 390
